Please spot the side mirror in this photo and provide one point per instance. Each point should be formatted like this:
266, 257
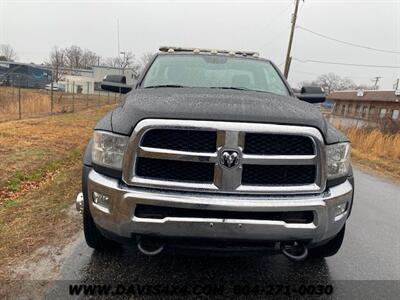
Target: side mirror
312, 94
115, 84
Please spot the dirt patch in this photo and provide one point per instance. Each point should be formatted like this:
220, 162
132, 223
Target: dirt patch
39, 218
33, 276
44, 263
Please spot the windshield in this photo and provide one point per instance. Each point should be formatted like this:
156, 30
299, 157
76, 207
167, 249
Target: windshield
212, 71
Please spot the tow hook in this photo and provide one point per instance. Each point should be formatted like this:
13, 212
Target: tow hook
295, 251
79, 203
149, 246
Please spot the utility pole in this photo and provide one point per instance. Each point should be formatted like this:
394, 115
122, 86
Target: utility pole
376, 79
118, 35
123, 62
396, 85
288, 57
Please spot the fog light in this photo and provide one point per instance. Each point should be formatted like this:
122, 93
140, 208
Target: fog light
341, 209
101, 200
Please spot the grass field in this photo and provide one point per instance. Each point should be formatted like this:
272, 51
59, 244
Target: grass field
41, 163
37, 103
376, 150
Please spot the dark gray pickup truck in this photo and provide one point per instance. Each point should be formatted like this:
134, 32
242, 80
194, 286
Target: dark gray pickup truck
211, 150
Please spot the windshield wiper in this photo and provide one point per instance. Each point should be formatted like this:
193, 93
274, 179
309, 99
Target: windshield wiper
164, 86
230, 88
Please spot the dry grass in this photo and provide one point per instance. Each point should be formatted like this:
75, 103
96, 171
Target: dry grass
36, 103
376, 150
40, 161
40, 217
42, 144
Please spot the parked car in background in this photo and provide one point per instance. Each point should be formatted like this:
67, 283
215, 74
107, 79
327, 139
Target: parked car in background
56, 86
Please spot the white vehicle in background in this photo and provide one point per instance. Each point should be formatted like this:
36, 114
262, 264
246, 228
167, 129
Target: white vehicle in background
56, 87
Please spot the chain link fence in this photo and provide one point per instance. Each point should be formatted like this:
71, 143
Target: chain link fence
18, 103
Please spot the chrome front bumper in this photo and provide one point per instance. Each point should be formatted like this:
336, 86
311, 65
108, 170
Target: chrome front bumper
119, 218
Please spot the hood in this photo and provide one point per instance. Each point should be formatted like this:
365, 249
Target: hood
215, 105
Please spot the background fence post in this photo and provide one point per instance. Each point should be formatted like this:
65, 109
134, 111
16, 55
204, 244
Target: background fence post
87, 95
19, 104
98, 100
108, 97
51, 97
73, 96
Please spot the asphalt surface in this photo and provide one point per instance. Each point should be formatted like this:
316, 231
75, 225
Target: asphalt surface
371, 251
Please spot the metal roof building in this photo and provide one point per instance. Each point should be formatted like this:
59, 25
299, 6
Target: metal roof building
24, 75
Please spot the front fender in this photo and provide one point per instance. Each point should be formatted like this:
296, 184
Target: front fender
87, 156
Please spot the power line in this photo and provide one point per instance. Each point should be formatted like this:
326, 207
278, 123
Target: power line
344, 64
319, 74
347, 43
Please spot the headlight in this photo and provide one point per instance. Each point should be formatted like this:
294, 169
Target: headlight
108, 149
338, 157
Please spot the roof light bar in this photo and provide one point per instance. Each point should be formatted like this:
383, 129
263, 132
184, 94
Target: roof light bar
171, 49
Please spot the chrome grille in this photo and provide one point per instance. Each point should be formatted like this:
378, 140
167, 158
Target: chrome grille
186, 155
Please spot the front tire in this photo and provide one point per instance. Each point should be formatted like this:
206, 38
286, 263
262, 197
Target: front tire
330, 248
93, 236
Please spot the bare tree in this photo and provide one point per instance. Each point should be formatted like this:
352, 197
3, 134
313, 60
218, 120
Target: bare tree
88, 59
77, 58
331, 82
7, 53
145, 59
112, 62
127, 59
124, 61
73, 56
57, 62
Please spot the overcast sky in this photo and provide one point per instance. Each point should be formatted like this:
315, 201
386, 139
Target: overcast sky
34, 27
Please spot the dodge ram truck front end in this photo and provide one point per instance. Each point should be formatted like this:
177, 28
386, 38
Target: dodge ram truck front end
220, 183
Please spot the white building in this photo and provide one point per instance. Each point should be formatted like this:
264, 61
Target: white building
78, 84
99, 72
87, 81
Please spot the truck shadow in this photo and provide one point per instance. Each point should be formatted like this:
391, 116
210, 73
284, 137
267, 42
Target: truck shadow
128, 264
